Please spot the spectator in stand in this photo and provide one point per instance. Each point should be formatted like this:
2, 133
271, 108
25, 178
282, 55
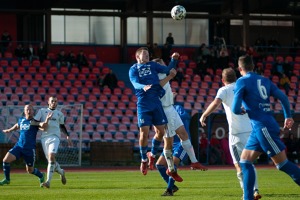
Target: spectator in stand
203, 143
42, 52
224, 143
223, 58
62, 59
215, 151
292, 145
288, 68
156, 51
72, 59
273, 44
30, 53
20, 53
81, 59
5, 41
295, 47
166, 52
110, 80
277, 68
259, 45
170, 40
285, 83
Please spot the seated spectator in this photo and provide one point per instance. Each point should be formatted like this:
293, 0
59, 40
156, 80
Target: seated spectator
110, 80
288, 68
20, 53
30, 53
72, 59
179, 76
62, 60
277, 69
81, 59
285, 83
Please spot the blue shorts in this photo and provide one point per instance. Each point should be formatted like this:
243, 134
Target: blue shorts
154, 117
178, 152
265, 139
27, 154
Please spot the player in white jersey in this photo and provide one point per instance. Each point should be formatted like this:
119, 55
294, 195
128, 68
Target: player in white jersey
50, 138
239, 125
175, 124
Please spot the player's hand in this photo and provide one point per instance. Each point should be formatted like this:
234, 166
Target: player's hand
288, 123
175, 55
173, 72
202, 120
5, 131
70, 143
147, 87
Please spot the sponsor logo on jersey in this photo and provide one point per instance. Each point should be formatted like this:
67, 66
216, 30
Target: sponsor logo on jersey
144, 71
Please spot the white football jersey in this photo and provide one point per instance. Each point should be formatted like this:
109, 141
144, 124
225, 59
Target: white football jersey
237, 123
168, 98
53, 124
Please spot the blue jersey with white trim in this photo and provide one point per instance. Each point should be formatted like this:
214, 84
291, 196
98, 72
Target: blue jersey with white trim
141, 75
27, 138
253, 92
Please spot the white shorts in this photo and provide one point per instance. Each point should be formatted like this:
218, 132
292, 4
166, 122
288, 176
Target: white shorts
237, 143
50, 144
174, 121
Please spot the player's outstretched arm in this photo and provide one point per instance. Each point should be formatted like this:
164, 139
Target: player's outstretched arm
165, 80
13, 128
211, 108
43, 125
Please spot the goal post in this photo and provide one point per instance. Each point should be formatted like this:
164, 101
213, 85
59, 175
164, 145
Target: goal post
66, 156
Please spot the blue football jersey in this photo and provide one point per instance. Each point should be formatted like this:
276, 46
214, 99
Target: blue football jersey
253, 92
27, 138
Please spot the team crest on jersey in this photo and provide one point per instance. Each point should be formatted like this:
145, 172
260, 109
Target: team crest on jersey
24, 126
144, 71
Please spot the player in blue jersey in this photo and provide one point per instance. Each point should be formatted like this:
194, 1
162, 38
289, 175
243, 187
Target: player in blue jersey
26, 145
144, 77
179, 154
252, 95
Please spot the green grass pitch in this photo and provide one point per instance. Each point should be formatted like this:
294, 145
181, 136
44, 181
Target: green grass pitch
216, 184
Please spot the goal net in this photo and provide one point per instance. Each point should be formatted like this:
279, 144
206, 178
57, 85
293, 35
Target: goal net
66, 156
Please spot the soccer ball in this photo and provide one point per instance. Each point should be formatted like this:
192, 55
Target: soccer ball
178, 12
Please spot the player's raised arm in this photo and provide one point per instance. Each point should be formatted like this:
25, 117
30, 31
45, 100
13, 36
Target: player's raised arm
13, 128
172, 74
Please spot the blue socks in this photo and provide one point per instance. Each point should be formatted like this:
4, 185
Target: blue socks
169, 180
248, 178
143, 152
291, 169
155, 146
6, 170
37, 173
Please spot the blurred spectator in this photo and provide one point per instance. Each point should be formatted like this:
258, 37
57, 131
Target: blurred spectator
295, 46
224, 143
156, 51
223, 58
62, 59
150, 50
20, 53
285, 83
170, 40
203, 148
292, 145
72, 59
215, 153
42, 52
81, 59
30, 53
5, 41
273, 44
166, 53
110, 80
277, 68
288, 68
259, 45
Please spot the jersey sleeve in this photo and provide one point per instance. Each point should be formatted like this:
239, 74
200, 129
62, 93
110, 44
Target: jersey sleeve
133, 77
38, 116
238, 96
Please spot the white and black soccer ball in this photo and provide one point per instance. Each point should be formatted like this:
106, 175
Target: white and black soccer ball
178, 12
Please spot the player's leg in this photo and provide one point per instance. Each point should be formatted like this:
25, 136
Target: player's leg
143, 143
171, 171
29, 158
9, 157
156, 141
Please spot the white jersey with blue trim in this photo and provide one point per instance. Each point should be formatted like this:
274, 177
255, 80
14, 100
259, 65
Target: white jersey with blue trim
54, 123
236, 123
168, 98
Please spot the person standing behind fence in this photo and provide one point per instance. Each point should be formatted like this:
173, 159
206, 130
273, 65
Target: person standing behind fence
51, 138
239, 125
26, 145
